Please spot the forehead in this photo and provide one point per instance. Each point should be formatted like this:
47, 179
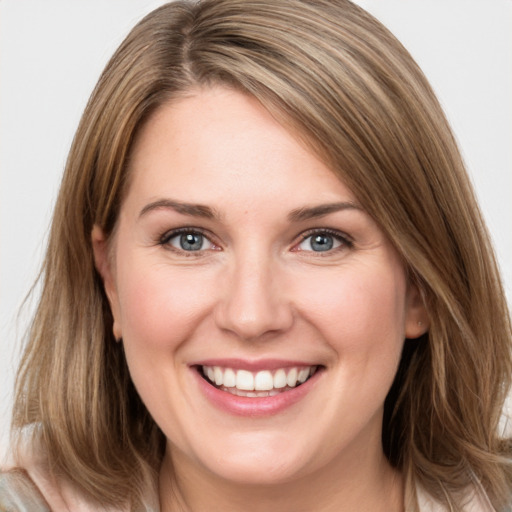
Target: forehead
218, 142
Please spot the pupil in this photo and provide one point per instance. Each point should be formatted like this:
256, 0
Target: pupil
191, 242
322, 243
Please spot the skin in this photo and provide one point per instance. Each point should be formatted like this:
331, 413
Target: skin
256, 290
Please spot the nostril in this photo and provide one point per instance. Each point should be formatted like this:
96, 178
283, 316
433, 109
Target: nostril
252, 322
252, 303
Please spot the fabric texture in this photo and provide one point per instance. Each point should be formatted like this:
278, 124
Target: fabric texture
23, 491
32, 490
19, 494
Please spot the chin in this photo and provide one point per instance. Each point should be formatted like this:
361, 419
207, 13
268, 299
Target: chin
256, 472
257, 460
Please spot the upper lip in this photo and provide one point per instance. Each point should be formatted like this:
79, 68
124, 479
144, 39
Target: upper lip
254, 365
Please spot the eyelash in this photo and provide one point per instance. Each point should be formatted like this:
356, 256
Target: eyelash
169, 235
345, 241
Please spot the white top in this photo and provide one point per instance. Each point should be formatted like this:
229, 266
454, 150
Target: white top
37, 493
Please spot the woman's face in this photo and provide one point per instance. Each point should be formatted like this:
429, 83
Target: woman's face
262, 311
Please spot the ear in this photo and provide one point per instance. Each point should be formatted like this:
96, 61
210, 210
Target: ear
417, 320
103, 264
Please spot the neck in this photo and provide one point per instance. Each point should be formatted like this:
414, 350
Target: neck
368, 483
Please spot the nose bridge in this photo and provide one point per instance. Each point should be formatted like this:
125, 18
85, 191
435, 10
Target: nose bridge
253, 301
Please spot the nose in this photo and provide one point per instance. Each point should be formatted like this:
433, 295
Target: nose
254, 303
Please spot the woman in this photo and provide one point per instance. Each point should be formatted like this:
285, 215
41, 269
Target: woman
268, 285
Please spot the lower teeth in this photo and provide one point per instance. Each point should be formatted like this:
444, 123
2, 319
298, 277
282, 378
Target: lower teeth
254, 394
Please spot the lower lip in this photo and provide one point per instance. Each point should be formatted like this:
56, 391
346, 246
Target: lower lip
255, 406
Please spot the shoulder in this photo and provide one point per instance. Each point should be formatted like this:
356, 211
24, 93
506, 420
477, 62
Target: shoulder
27, 483
29, 486
29, 490
19, 494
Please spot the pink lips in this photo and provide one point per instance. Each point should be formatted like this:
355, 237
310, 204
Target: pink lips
253, 406
252, 366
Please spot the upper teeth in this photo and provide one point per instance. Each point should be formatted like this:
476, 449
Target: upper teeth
264, 380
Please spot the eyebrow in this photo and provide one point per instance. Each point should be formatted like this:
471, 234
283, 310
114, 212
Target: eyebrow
194, 210
313, 212
201, 210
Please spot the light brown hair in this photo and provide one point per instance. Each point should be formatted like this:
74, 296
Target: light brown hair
335, 75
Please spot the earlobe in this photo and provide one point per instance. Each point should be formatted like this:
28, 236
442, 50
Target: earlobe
103, 265
417, 321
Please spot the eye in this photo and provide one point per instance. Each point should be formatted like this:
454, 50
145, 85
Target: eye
322, 241
187, 240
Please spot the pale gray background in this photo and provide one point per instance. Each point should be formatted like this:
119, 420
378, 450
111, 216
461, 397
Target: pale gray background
52, 53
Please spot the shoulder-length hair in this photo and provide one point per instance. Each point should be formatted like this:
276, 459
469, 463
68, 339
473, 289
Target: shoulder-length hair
338, 78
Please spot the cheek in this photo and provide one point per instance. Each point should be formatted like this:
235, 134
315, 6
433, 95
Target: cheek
357, 308
159, 306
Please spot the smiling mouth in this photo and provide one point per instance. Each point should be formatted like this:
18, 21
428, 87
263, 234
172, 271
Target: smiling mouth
263, 383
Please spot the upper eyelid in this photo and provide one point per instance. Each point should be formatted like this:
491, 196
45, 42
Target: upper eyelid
346, 242
169, 234
329, 231
164, 241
